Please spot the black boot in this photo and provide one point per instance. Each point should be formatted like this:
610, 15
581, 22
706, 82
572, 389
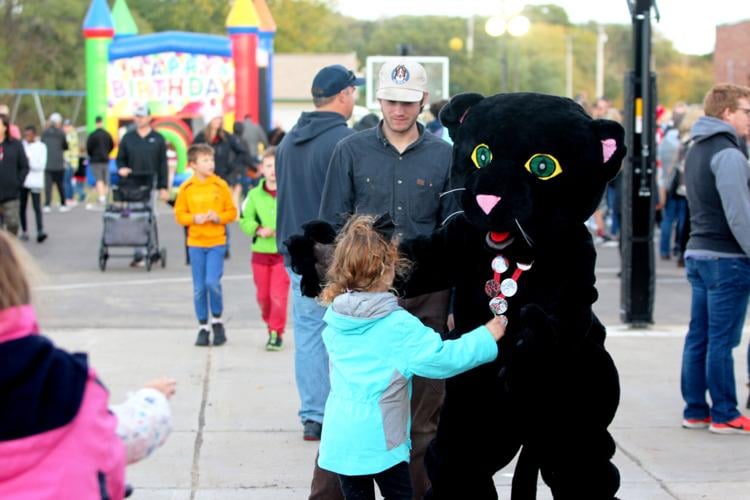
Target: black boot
202, 339
219, 334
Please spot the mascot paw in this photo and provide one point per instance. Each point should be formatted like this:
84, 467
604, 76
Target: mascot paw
319, 231
310, 253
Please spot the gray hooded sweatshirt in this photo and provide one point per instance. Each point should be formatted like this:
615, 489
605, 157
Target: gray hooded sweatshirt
717, 180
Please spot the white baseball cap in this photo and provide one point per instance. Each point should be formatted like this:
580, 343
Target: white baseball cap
402, 80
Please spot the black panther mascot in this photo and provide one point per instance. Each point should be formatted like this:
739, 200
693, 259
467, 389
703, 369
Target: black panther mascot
531, 169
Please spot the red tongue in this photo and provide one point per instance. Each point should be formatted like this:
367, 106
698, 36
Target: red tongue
498, 237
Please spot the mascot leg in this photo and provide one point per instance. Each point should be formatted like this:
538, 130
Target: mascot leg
474, 440
525, 475
576, 459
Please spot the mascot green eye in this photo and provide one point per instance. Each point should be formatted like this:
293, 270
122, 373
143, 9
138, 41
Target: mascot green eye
481, 156
543, 166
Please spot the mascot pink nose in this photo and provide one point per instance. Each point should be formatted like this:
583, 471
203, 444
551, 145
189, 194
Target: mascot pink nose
487, 202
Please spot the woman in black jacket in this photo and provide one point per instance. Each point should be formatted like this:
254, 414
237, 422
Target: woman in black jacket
13, 169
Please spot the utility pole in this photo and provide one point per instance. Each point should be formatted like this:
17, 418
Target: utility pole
569, 65
639, 175
470, 37
601, 39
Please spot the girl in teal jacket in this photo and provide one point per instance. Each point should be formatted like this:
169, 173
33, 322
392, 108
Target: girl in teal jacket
375, 347
258, 220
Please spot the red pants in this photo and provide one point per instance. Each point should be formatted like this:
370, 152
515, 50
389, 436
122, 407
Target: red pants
272, 286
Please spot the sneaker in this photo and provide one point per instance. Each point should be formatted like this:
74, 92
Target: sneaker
696, 423
24, 237
747, 405
312, 430
202, 339
64, 208
274, 341
96, 207
41, 237
220, 336
46, 210
740, 425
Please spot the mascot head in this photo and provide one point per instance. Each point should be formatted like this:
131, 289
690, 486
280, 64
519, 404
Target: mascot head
532, 165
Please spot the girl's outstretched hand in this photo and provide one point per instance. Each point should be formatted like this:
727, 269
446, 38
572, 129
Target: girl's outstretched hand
497, 326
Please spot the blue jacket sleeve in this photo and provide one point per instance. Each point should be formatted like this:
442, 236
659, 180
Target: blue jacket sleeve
428, 355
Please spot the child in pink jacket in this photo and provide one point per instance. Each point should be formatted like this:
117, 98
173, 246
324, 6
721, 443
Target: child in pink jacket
58, 437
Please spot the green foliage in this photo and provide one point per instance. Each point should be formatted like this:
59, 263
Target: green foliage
549, 14
200, 16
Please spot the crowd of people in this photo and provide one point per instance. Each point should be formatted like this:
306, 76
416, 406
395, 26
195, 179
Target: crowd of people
323, 169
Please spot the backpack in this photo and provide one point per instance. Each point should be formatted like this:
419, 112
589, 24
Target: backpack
676, 178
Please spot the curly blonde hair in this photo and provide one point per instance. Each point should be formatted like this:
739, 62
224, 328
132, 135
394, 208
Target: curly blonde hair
14, 287
362, 261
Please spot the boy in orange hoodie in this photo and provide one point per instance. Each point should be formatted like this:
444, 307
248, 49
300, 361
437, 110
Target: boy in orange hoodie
204, 204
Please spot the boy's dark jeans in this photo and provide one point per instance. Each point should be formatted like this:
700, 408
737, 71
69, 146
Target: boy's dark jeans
394, 484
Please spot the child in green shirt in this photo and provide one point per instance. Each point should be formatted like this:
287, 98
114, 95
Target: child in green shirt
258, 220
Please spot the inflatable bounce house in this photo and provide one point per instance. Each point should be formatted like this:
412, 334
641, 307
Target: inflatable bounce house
185, 79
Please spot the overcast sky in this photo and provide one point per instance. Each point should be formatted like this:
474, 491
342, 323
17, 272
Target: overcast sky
690, 24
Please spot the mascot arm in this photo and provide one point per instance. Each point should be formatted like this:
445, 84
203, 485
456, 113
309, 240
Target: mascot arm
437, 260
565, 319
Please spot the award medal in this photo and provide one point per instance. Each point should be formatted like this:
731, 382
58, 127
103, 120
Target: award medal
498, 289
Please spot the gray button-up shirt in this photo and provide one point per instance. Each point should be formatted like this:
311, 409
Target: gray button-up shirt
367, 175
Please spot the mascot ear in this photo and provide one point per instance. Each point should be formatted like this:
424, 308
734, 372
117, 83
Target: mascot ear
453, 113
611, 135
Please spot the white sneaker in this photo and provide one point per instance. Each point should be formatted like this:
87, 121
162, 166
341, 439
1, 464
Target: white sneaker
64, 208
96, 207
46, 210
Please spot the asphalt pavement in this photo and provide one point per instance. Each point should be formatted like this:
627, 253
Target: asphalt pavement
236, 431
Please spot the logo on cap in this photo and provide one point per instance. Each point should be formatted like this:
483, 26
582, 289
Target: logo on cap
400, 75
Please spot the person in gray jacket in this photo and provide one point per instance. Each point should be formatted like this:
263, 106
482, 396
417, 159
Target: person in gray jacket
400, 168
717, 260
301, 162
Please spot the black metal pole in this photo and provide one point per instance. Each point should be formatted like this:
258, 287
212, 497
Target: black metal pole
639, 180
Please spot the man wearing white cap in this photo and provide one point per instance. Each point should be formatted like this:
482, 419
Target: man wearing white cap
398, 168
142, 161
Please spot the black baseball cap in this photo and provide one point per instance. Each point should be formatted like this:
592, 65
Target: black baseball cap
333, 79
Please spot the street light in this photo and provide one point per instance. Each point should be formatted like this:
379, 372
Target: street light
508, 22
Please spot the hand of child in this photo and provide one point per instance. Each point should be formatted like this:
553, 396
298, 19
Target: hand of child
124, 171
213, 216
497, 326
265, 232
200, 218
166, 386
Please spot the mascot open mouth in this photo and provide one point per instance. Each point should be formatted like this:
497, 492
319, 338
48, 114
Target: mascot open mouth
498, 240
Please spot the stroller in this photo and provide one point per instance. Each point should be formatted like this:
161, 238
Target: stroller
129, 221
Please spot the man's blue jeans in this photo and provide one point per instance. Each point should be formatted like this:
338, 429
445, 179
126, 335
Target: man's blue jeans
310, 355
207, 264
721, 287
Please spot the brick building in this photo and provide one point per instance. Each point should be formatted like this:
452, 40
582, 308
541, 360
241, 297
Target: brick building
732, 53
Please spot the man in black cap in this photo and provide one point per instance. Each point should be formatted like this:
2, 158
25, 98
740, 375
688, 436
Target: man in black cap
301, 164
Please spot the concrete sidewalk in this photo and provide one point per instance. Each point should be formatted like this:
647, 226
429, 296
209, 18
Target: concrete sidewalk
236, 433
